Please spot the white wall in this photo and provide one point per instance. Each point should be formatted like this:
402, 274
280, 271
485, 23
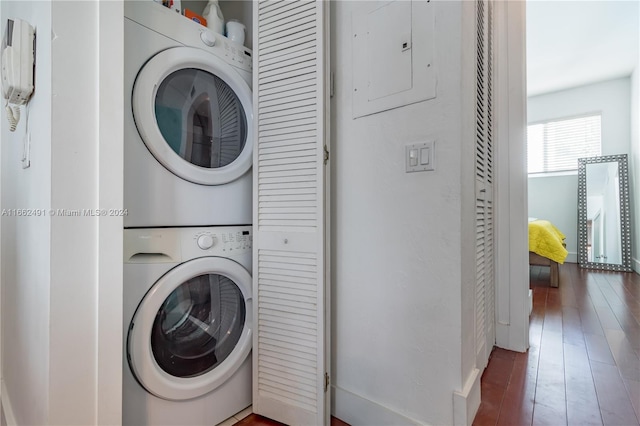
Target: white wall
26, 265
397, 244
555, 198
61, 275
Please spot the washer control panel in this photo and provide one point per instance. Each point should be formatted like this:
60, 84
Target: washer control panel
220, 240
174, 245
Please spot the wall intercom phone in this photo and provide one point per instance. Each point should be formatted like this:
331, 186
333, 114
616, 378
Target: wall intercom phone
18, 55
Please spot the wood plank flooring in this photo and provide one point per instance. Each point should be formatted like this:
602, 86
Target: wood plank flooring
255, 420
583, 365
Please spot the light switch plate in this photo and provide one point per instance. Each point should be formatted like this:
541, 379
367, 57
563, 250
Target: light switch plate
420, 157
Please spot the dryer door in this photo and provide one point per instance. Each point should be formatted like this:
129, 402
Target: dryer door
193, 329
194, 114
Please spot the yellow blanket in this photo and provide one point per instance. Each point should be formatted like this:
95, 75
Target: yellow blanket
546, 240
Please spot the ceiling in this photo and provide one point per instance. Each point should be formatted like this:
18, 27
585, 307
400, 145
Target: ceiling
572, 43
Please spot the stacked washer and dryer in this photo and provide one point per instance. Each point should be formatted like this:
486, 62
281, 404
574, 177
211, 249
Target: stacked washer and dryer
187, 239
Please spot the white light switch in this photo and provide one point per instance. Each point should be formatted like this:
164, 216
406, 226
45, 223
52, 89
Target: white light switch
425, 156
413, 157
420, 157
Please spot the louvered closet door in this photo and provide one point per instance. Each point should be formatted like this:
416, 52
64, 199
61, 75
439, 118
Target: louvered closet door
485, 276
290, 303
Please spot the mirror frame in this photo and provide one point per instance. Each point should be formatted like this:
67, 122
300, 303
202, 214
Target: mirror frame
625, 232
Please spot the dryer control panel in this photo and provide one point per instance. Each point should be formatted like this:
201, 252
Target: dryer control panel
188, 33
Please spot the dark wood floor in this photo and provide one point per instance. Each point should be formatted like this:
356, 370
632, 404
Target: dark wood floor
255, 420
583, 366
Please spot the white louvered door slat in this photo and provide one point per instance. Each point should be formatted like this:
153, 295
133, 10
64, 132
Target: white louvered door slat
485, 281
290, 306
490, 272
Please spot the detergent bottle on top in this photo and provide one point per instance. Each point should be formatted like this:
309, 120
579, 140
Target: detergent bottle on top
214, 17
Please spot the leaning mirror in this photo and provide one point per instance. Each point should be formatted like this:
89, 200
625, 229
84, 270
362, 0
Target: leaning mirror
604, 237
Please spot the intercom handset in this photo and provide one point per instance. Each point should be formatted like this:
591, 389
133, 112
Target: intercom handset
17, 67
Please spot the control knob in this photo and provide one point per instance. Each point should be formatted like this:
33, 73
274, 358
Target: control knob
205, 242
208, 38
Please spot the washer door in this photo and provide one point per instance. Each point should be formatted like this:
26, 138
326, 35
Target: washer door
194, 114
192, 330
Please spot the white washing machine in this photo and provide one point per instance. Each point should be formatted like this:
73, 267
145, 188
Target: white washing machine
187, 325
188, 122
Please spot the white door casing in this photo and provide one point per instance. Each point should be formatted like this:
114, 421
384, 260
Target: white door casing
290, 362
512, 260
485, 241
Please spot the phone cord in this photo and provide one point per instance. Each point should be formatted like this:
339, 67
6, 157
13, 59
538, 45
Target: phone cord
13, 115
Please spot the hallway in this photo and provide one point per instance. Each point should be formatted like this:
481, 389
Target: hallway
583, 366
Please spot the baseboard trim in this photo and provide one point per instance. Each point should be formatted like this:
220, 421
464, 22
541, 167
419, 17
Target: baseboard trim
467, 401
635, 264
572, 257
7, 408
356, 410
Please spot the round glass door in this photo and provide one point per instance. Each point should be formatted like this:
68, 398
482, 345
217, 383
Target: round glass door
194, 114
198, 326
201, 118
193, 329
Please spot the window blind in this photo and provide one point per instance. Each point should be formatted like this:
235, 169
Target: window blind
555, 146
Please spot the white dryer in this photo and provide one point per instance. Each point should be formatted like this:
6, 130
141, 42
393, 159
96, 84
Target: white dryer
188, 122
187, 325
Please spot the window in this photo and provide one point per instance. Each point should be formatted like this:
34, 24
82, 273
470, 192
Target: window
555, 146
